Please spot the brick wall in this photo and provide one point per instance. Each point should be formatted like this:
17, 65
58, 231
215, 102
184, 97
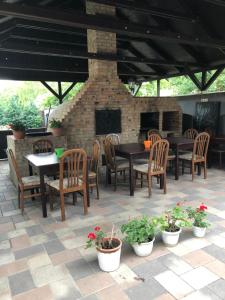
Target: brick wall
104, 90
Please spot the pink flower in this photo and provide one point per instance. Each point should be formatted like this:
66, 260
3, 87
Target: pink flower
92, 236
97, 228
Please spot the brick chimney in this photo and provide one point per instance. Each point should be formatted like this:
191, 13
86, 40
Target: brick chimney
101, 42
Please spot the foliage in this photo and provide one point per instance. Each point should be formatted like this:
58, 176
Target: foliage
17, 125
13, 111
55, 123
172, 220
98, 239
140, 230
198, 215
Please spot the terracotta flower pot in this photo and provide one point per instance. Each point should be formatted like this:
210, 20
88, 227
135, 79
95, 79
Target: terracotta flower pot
109, 259
18, 135
57, 131
147, 144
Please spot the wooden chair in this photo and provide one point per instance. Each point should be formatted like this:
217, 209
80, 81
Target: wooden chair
191, 133
112, 164
72, 177
28, 183
156, 165
152, 131
199, 154
113, 138
42, 146
93, 174
154, 137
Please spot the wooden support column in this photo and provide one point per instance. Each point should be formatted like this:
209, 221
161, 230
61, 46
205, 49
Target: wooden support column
59, 95
158, 88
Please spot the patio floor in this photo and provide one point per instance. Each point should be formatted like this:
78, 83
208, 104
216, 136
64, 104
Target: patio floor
45, 258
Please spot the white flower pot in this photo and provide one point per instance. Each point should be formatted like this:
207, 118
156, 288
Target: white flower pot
199, 231
143, 249
170, 238
109, 259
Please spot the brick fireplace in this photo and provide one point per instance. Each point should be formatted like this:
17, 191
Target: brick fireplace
105, 91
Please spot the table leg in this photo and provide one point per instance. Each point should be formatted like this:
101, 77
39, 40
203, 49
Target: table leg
177, 163
131, 173
43, 194
199, 169
30, 170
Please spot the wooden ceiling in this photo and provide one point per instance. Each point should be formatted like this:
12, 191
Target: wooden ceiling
46, 40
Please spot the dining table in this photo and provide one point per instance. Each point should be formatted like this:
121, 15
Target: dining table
131, 152
46, 164
177, 144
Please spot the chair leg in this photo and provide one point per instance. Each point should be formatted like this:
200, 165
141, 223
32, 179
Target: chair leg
141, 180
22, 201
85, 201
182, 167
97, 187
164, 183
18, 196
74, 198
205, 170
220, 160
124, 175
149, 185
193, 170
62, 205
51, 200
115, 183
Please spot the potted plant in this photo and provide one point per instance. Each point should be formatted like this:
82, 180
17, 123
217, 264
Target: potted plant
18, 128
199, 215
171, 223
140, 233
108, 249
56, 127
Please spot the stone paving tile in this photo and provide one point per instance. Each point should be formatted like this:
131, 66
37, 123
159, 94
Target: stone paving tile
64, 289
149, 289
218, 288
21, 282
59, 264
199, 277
174, 284
53, 247
79, 268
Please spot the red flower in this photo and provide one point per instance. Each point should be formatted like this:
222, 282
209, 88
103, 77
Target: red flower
202, 207
97, 228
92, 236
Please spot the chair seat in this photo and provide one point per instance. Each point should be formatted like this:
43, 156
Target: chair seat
91, 174
144, 168
122, 164
32, 180
55, 184
188, 156
171, 157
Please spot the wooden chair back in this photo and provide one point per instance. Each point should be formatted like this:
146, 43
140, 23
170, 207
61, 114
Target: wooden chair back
154, 137
191, 133
201, 146
15, 165
95, 156
158, 157
42, 146
113, 138
209, 131
153, 131
73, 170
110, 156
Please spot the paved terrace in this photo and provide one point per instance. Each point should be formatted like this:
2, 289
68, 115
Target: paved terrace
45, 258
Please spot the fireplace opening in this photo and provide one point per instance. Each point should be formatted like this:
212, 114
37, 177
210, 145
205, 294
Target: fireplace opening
170, 120
149, 120
107, 121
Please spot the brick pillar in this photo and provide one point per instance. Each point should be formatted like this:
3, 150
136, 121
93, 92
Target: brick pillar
101, 42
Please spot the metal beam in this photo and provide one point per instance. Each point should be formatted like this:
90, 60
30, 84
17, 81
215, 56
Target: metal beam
43, 51
138, 7
213, 78
102, 23
216, 2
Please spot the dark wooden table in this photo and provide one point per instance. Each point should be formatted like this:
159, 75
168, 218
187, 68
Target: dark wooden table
177, 144
47, 164
220, 139
131, 151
